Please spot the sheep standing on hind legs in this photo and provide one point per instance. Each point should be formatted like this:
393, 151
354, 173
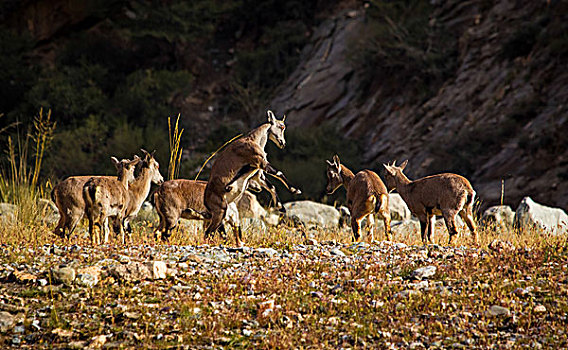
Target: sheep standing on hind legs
236, 165
443, 194
181, 198
366, 195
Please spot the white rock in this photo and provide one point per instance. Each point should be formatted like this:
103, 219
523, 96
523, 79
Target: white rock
7, 321
266, 252
498, 311
398, 208
424, 272
539, 308
64, 275
159, 269
313, 213
530, 215
337, 252
249, 207
500, 216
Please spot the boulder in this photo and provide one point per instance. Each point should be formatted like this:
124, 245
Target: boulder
401, 229
147, 212
344, 217
531, 215
138, 271
313, 213
424, 272
272, 218
7, 321
88, 276
499, 216
65, 275
249, 207
398, 208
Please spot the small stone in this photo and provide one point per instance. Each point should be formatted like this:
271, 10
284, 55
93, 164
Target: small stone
16, 340
97, 342
77, 344
337, 252
24, 277
123, 259
42, 282
132, 315
247, 332
266, 252
498, 311
62, 333
6, 321
424, 272
406, 293
311, 241
159, 269
65, 275
539, 308
521, 292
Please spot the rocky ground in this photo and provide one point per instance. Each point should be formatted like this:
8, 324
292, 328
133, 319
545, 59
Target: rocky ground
312, 295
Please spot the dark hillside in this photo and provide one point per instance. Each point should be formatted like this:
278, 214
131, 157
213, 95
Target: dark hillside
475, 87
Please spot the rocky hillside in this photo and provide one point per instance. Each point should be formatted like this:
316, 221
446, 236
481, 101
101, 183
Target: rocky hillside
499, 115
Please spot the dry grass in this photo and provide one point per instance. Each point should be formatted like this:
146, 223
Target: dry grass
314, 300
191, 233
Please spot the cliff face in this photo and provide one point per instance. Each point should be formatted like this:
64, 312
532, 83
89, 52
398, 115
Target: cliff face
500, 116
498, 113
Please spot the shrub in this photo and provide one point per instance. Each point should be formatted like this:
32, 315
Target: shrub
71, 92
147, 95
16, 75
402, 45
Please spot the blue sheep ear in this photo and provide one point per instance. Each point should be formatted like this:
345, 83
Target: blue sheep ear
115, 162
271, 117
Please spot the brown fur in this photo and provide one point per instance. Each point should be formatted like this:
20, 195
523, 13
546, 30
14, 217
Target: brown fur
366, 195
68, 196
177, 199
182, 198
236, 165
106, 197
443, 194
